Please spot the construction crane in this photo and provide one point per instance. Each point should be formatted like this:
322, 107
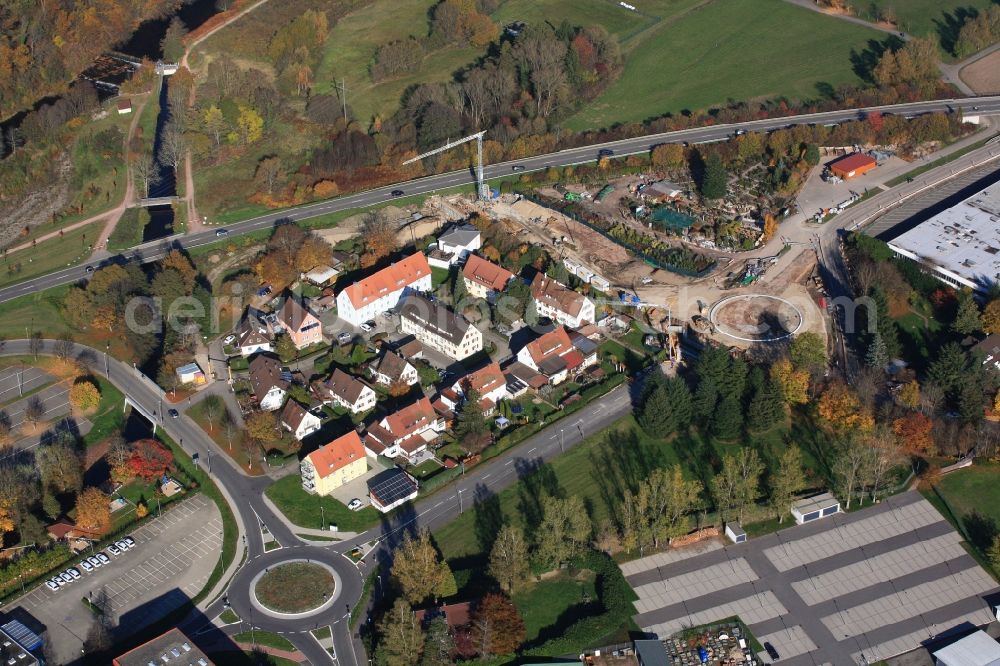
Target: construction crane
481, 189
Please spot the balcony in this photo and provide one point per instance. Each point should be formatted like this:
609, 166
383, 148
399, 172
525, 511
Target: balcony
307, 472
309, 487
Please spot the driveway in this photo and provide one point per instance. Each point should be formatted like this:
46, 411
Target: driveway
173, 558
852, 587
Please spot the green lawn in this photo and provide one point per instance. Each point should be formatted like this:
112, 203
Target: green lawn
305, 510
919, 17
550, 602
265, 638
972, 497
294, 587
50, 255
727, 50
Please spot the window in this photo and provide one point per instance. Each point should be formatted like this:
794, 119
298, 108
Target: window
831, 510
812, 515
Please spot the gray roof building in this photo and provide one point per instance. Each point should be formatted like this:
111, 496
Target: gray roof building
434, 318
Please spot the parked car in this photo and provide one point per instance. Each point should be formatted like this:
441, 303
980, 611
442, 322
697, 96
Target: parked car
771, 652
95, 562
104, 559
114, 550
122, 545
65, 577
344, 337
368, 326
52, 585
130, 541
86, 566
229, 339
354, 504
74, 572
221, 232
58, 580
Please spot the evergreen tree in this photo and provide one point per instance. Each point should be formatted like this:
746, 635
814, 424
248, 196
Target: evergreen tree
967, 318
459, 292
712, 365
706, 396
876, 356
728, 419
971, 401
656, 416
715, 181
734, 381
438, 644
884, 324
680, 402
472, 428
949, 369
767, 407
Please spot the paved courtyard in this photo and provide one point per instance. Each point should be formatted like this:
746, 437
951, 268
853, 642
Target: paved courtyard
173, 558
871, 584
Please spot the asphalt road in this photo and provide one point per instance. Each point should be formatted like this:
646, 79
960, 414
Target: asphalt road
156, 249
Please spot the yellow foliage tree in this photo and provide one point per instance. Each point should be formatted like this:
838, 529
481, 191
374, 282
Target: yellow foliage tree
141, 511
770, 227
93, 511
840, 408
991, 316
84, 395
909, 395
249, 126
669, 155
6, 518
794, 383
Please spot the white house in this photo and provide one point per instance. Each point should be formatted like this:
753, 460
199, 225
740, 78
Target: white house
976, 649
484, 279
455, 245
190, 374
555, 354
390, 489
437, 327
269, 381
391, 368
560, 303
383, 290
253, 337
349, 392
298, 420
405, 432
489, 382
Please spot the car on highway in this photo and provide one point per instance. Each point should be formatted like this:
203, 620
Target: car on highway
397, 193
94, 562
74, 572
229, 339
222, 232
130, 541
86, 566
89, 269
104, 559
771, 652
52, 585
517, 167
344, 337
173, 413
114, 550
368, 326
605, 152
354, 504
740, 132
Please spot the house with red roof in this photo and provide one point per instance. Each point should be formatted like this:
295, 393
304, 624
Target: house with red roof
560, 303
484, 279
334, 464
405, 432
383, 290
556, 354
489, 382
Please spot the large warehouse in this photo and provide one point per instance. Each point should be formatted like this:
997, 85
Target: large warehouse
960, 245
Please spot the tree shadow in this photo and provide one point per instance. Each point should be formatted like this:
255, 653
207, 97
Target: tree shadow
950, 25
863, 62
620, 462
538, 479
981, 530
488, 516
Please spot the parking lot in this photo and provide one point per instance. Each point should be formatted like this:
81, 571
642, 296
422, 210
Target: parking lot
173, 557
871, 585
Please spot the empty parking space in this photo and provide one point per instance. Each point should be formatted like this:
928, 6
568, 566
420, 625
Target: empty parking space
877, 583
172, 560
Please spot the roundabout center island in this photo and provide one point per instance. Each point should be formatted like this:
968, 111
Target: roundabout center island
295, 587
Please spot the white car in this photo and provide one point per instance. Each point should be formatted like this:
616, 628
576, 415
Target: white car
65, 577
344, 337
368, 326
230, 339
129, 541
94, 562
122, 545
86, 566
103, 559
114, 550
74, 572
354, 504
52, 585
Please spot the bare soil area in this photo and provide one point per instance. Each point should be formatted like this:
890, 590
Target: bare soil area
983, 76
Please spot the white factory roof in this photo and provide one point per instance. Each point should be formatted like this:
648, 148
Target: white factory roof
976, 649
962, 243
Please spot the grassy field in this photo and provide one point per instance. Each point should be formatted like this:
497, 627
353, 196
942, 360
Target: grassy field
304, 509
294, 587
726, 50
547, 603
51, 255
972, 497
265, 638
921, 17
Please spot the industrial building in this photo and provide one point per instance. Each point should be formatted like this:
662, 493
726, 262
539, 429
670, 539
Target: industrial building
850, 166
961, 245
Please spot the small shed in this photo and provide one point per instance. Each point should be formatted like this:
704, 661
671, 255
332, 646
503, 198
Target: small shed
190, 374
735, 533
976, 649
816, 507
651, 652
124, 106
322, 275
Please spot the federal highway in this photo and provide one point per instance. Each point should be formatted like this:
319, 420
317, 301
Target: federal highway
156, 249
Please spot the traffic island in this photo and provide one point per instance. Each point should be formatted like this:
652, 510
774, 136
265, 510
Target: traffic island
295, 588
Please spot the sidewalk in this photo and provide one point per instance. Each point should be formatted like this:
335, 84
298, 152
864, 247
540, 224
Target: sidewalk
340, 536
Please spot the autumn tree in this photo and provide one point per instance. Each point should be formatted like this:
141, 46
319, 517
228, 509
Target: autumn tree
262, 427
379, 234
269, 173
849, 466
150, 460
659, 510
60, 467
172, 44
786, 481
417, 568
667, 156
509, 558
402, 640
737, 485
497, 625
770, 227
565, 527
991, 316
118, 456
915, 432
841, 410
93, 510
34, 410
84, 395
909, 394
249, 127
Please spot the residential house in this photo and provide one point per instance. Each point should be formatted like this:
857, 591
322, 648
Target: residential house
172, 647
383, 290
455, 245
555, 355
484, 279
253, 337
298, 420
439, 328
560, 303
390, 489
390, 368
405, 432
301, 325
489, 382
989, 350
190, 374
269, 381
341, 261
334, 464
349, 392
410, 348
456, 615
